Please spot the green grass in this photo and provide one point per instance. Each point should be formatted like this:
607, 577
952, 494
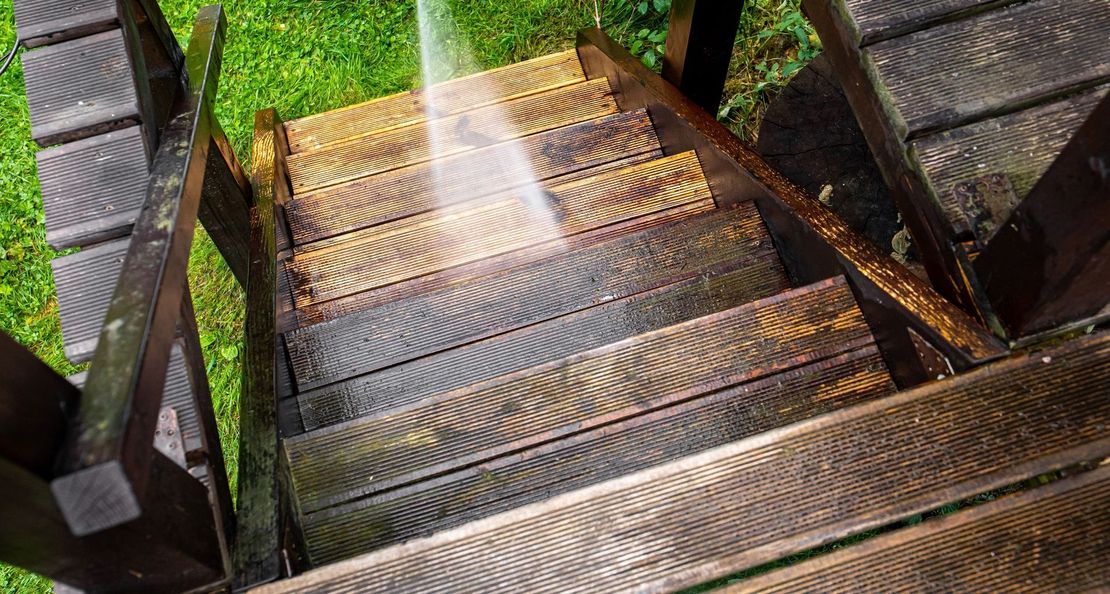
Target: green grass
303, 57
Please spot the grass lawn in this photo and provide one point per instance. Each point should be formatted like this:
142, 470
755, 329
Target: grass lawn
303, 57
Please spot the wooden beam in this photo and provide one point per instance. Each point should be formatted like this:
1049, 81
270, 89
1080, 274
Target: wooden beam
33, 402
105, 465
1049, 264
700, 39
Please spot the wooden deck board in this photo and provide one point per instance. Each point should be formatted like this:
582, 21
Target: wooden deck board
466, 233
399, 330
993, 63
1054, 538
877, 20
80, 88
452, 180
592, 457
93, 189
766, 497
730, 285
85, 282
40, 22
376, 153
450, 97
524, 409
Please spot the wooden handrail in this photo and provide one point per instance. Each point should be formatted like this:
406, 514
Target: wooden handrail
33, 404
106, 463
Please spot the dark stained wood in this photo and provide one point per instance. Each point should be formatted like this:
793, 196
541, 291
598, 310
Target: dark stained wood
337, 464
84, 283
700, 38
1052, 538
813, 242
224, 211
42, 22
877, 20
1049, 264
33, 403
105, 467
597, 455
766, 497
258, 540
152, 109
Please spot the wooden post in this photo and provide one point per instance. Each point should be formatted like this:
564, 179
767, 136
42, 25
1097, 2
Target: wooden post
699, 48
1049, 264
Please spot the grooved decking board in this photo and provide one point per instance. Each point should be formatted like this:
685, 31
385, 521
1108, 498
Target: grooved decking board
766, 497
881, 19
449, 97
46, 21
85, 282
733, 284
466, 233
178, 393
420, 188
1022, 145
392, 149
597, 455
524, 409
93, 189
400, 330
1054, 538
79, 88
994, 62
330, 310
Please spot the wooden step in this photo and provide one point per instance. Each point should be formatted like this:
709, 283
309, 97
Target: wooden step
1050, 539
39, 22
329, 310
491, 419
1021, 145
404, 329
85, 282
80, 88
376, 153
450, 97
466, 176
595, 456
876, 20
766, 497
994, 62
716, 289
93, 189
466, 233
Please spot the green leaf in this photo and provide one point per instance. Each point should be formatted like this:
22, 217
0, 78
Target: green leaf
643, 7
658, 37
229, 352
662, 5
650, 58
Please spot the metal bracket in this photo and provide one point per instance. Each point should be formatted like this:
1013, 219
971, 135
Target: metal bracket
167, 437
936, 364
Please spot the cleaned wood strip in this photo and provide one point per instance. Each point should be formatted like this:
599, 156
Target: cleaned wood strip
766, 497
80, 88
85, 282
392, 149
533, 406
92, 189
452, 180
595, 456
396, 331
1054, 538
993, 63
449, 97
1021, 145
452, 237
730, 285
330, 310
877, 20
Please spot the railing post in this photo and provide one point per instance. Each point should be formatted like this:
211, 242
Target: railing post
700, 39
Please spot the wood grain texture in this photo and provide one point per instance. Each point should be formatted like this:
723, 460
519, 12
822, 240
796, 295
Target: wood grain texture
533, 406
1021, 145
1052, 538
741, 505
413, 190
993, 63
399, 330
364, 155
450, 97
877, 20
92, 189
455, 236
719, 287
41, 22
596, 455
80, 88
84, 283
